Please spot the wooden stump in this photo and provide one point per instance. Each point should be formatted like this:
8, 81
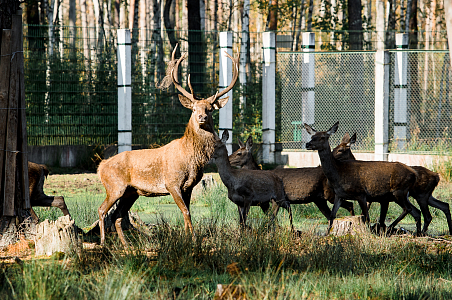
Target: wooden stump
352, 225
229, 292
57, 236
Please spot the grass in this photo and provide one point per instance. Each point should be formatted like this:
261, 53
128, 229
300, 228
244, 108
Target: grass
268, 261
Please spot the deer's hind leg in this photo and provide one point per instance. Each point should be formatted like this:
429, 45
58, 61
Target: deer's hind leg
122, 210
113, 195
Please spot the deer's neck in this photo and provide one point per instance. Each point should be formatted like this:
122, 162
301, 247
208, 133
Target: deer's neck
225, 169
251, 164
329, 165
201, 142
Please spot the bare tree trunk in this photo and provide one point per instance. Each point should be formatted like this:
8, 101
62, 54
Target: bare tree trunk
244, 53
296, 41
311, 8
368, 24
390, 35
99, 12
196, 57
355, 24
273, 15
202, 13
84, 24
72, 21
408, 16
448, 18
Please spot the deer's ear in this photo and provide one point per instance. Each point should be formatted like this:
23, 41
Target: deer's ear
225, 136
309, 129
249, 143
186, 102
241, 144
353, 139
345, 138
219, 103
333, 128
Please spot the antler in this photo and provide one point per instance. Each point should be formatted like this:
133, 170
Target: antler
235, 75
176, 82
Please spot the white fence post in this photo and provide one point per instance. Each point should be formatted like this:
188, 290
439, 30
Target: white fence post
381, 104
124, 91
225, 79
308, 84
400, 91
268, 97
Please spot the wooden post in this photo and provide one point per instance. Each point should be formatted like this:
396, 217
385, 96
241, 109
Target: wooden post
225, 79
308, 84
5, 67
268, 97
124, 91
400, 91
12, 123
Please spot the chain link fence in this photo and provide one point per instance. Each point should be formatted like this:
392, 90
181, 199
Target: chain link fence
72, 94
345, 91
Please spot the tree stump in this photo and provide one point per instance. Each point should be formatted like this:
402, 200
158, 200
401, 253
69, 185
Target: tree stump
57, 236
352, 225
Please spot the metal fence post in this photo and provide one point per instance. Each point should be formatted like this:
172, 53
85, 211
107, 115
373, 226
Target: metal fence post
381, 104
124, 91
308, 84
268, 97
400, 91
225, 79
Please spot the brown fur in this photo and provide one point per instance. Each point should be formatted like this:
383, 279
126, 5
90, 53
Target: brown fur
426, 182
37, 173
172, 169
249, 187
302, 185
363, 180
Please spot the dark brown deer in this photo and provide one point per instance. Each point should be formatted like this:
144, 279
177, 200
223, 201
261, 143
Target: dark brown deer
302, 185
364, 180
422, 190
37, 173
172, 169
250, 187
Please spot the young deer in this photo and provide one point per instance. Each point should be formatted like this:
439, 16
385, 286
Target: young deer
249, 187
172, 169
426, 182
302, 185
364, 181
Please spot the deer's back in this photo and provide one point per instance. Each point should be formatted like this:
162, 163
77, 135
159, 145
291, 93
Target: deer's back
304, 185
151, 170
374, 178
256, 186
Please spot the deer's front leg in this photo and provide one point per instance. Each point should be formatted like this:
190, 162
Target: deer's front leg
177, 196
337, 204
363, 205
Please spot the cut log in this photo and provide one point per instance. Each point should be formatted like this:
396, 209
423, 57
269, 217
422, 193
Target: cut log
57, 236
352, 225
230, 291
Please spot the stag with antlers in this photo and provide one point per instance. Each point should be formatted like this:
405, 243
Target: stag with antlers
171, 169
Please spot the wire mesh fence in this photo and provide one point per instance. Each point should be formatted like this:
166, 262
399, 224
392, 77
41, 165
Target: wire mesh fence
71, 93
345, 92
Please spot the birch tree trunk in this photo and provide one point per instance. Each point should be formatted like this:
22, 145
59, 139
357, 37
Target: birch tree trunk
368, 24
448, 18
72, 29
244, 53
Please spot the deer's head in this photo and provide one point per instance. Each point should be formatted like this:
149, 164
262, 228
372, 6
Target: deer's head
319, 139
243, 155
342, 151
220, 145
202, 109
